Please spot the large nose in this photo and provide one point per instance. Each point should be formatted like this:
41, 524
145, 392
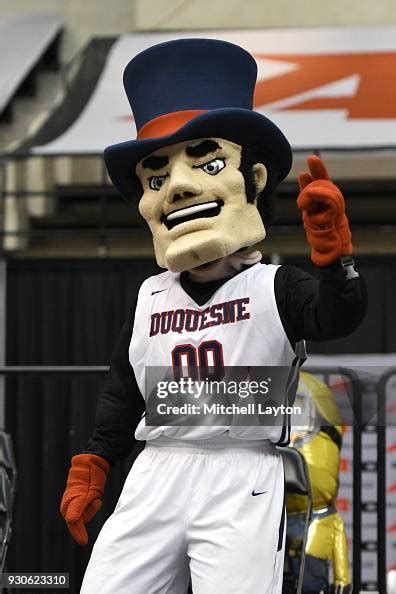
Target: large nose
182, 183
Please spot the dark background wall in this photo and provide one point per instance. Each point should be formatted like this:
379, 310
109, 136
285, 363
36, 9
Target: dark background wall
59, 313
69, 313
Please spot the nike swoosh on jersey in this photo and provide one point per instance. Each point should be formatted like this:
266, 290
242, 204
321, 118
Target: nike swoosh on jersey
154, 292
258, 493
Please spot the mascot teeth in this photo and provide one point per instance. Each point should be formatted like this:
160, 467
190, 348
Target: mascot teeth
184, 212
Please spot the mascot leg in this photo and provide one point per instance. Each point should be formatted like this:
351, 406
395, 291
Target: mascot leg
237, 527
141, 548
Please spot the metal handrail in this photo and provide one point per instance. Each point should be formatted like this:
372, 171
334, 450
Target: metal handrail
15, 370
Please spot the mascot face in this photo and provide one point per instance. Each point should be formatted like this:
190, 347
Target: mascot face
194, 201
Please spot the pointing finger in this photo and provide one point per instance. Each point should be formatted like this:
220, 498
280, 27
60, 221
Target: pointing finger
317, 168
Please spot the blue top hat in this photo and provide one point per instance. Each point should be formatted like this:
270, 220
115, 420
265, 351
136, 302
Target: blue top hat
194, 88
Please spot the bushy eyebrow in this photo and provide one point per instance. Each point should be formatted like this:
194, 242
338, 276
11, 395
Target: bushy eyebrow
155, 162
203, 148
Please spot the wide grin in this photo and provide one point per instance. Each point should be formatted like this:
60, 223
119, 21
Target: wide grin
189, 213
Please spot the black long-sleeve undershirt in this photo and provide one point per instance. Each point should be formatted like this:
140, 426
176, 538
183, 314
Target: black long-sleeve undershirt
319, 309
121, 404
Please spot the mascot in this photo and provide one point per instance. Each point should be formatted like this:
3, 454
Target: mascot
319, 441
206, 500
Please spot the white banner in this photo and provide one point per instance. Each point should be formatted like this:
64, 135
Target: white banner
325, 88
24, 37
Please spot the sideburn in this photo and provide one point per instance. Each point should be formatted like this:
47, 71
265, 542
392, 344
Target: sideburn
249, 157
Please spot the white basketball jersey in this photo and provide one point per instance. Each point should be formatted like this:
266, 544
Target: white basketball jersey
239, 324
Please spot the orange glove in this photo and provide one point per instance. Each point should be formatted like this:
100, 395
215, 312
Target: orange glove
323, 212
84, 490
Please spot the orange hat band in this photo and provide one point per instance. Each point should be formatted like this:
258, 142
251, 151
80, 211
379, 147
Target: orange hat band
167, 123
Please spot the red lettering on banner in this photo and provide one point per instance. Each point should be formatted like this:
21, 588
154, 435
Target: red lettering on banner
343, 504
375, 96
340, 386
125, 118
344, 465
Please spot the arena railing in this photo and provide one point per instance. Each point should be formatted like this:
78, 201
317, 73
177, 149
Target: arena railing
382, 391
355, 390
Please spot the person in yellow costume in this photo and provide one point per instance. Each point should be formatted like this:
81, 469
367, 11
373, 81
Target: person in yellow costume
319, 441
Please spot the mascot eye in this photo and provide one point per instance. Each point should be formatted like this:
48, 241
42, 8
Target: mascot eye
157, 181
213, 167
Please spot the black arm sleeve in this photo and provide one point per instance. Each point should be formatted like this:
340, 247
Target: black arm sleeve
319, 309
120, 406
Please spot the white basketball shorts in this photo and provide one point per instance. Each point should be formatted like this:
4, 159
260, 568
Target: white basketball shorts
215, 515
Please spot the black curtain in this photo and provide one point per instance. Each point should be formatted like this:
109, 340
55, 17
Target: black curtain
377, 333
70, 313
59, 313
